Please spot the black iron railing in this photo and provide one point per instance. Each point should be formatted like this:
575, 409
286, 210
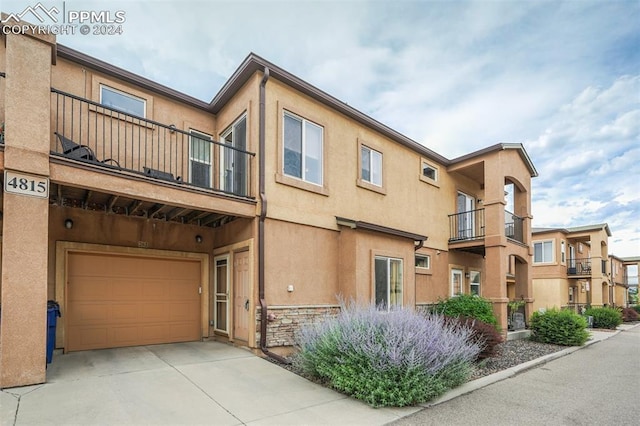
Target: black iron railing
90, 132
466, 225
513, 226
580, 266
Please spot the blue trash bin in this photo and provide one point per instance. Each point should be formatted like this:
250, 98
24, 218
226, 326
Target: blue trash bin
53, 312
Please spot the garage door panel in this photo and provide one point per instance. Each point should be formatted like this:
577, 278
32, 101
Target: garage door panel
89, 288
137, 301
87, 314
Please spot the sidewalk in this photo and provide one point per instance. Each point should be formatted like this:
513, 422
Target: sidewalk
201, 383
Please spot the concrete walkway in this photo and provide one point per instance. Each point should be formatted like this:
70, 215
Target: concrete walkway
199, 383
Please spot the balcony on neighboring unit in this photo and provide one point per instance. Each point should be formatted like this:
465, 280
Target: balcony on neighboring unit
92, 133
578, 267
513, 226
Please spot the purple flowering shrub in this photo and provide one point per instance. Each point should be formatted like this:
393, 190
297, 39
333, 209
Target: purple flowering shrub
395, 358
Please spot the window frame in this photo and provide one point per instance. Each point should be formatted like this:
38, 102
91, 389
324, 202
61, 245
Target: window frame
473, 284
198, 134
563, 252
303, 172
432, 181
373, 155
552, 250
123, 93
423, 256
398, 298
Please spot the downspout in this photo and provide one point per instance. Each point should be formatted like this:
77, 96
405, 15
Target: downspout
263, 216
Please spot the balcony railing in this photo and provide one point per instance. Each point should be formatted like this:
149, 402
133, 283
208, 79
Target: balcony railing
90, 132
513, 226
466, 225
579, 266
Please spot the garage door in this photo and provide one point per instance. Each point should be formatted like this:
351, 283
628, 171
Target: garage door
123, 300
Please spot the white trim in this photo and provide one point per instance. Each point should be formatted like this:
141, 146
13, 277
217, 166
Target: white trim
125, 94
553, 254
303, 121
228, 294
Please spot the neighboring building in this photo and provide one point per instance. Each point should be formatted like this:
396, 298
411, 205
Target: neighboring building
572, 268
154, 217
631, 268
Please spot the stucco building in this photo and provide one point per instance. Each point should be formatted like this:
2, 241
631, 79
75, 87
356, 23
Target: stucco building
154, 217
572, 268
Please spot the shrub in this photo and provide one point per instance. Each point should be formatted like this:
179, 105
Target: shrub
395, 358
636, 308
605, 317
485, 335
629, 314
467, 305
559, 327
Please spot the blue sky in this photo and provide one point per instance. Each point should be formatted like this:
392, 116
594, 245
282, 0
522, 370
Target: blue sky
563, 78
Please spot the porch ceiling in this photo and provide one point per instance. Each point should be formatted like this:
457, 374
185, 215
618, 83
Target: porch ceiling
69, 196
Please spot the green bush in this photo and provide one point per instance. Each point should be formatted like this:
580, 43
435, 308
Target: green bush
559, 327
605, 317
466, 305
636, 308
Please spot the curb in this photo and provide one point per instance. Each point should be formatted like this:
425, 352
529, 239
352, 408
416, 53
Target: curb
512, 371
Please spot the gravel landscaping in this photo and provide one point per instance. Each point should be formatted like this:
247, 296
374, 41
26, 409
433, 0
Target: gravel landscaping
512, 353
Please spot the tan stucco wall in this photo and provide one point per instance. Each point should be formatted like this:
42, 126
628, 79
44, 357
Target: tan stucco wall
550, 293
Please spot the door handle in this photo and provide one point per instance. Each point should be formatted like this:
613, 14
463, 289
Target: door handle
246, 305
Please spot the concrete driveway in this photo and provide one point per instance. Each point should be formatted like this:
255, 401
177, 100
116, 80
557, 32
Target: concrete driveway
184, 383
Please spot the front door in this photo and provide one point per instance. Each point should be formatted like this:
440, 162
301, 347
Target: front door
222, 294
456, 282
241, 295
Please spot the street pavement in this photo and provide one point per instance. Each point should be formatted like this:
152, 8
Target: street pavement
597, 385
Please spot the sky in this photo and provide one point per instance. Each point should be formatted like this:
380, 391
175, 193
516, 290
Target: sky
562, 78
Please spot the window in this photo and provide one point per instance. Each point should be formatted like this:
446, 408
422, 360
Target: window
475, 283
465, 216
456, 282
234, 164
122, 101
371, 165
571, 290
423, 261
429, 171
388, 282
200, 159
563, 255
303, 142
543, 252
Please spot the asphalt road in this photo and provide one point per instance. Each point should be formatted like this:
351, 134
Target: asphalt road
597, 385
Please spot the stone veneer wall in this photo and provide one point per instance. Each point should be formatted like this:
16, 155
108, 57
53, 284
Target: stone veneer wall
283, 321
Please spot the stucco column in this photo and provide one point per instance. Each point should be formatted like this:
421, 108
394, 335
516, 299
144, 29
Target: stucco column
25, 217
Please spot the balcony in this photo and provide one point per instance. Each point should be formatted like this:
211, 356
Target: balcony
91, 133
466, 226
579, 267
513, 226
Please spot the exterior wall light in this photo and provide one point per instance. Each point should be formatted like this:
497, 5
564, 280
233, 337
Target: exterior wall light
198, 239
68, 223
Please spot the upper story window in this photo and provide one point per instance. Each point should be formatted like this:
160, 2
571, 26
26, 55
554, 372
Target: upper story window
371, 165
303, 147
563, 252
543, 251
428, 172
122, 101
